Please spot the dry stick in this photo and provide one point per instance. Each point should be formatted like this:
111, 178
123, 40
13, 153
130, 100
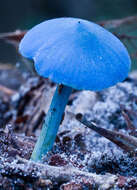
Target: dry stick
128, 121
7, 90
118, 22
29, 169
126, 142
13, 37
130, 125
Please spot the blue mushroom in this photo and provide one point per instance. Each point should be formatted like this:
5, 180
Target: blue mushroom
76, 54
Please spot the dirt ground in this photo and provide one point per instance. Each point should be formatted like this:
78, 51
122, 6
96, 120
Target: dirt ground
81, 159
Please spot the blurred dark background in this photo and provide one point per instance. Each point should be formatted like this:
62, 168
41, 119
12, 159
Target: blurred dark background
16, 14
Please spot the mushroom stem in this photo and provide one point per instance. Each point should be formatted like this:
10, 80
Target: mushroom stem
52, 121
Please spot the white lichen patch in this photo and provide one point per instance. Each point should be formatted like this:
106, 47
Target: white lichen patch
104, 108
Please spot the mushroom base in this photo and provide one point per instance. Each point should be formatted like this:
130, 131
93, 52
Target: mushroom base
52, 121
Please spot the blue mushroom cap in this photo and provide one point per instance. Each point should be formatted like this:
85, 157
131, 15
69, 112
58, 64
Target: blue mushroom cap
76, 53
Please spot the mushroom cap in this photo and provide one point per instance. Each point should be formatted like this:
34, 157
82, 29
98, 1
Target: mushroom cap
76, 53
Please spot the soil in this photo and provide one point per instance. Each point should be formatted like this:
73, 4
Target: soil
81, 159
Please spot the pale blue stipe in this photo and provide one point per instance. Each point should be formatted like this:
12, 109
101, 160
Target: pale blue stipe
52, 121
76, 53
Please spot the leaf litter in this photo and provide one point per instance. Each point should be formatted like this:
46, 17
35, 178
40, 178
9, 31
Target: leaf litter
81, 158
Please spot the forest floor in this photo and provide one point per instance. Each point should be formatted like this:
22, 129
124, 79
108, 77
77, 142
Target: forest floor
81, 159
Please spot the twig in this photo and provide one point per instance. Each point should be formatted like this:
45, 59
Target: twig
6, 90
13, 37
24, 168
118, 22
126, 142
